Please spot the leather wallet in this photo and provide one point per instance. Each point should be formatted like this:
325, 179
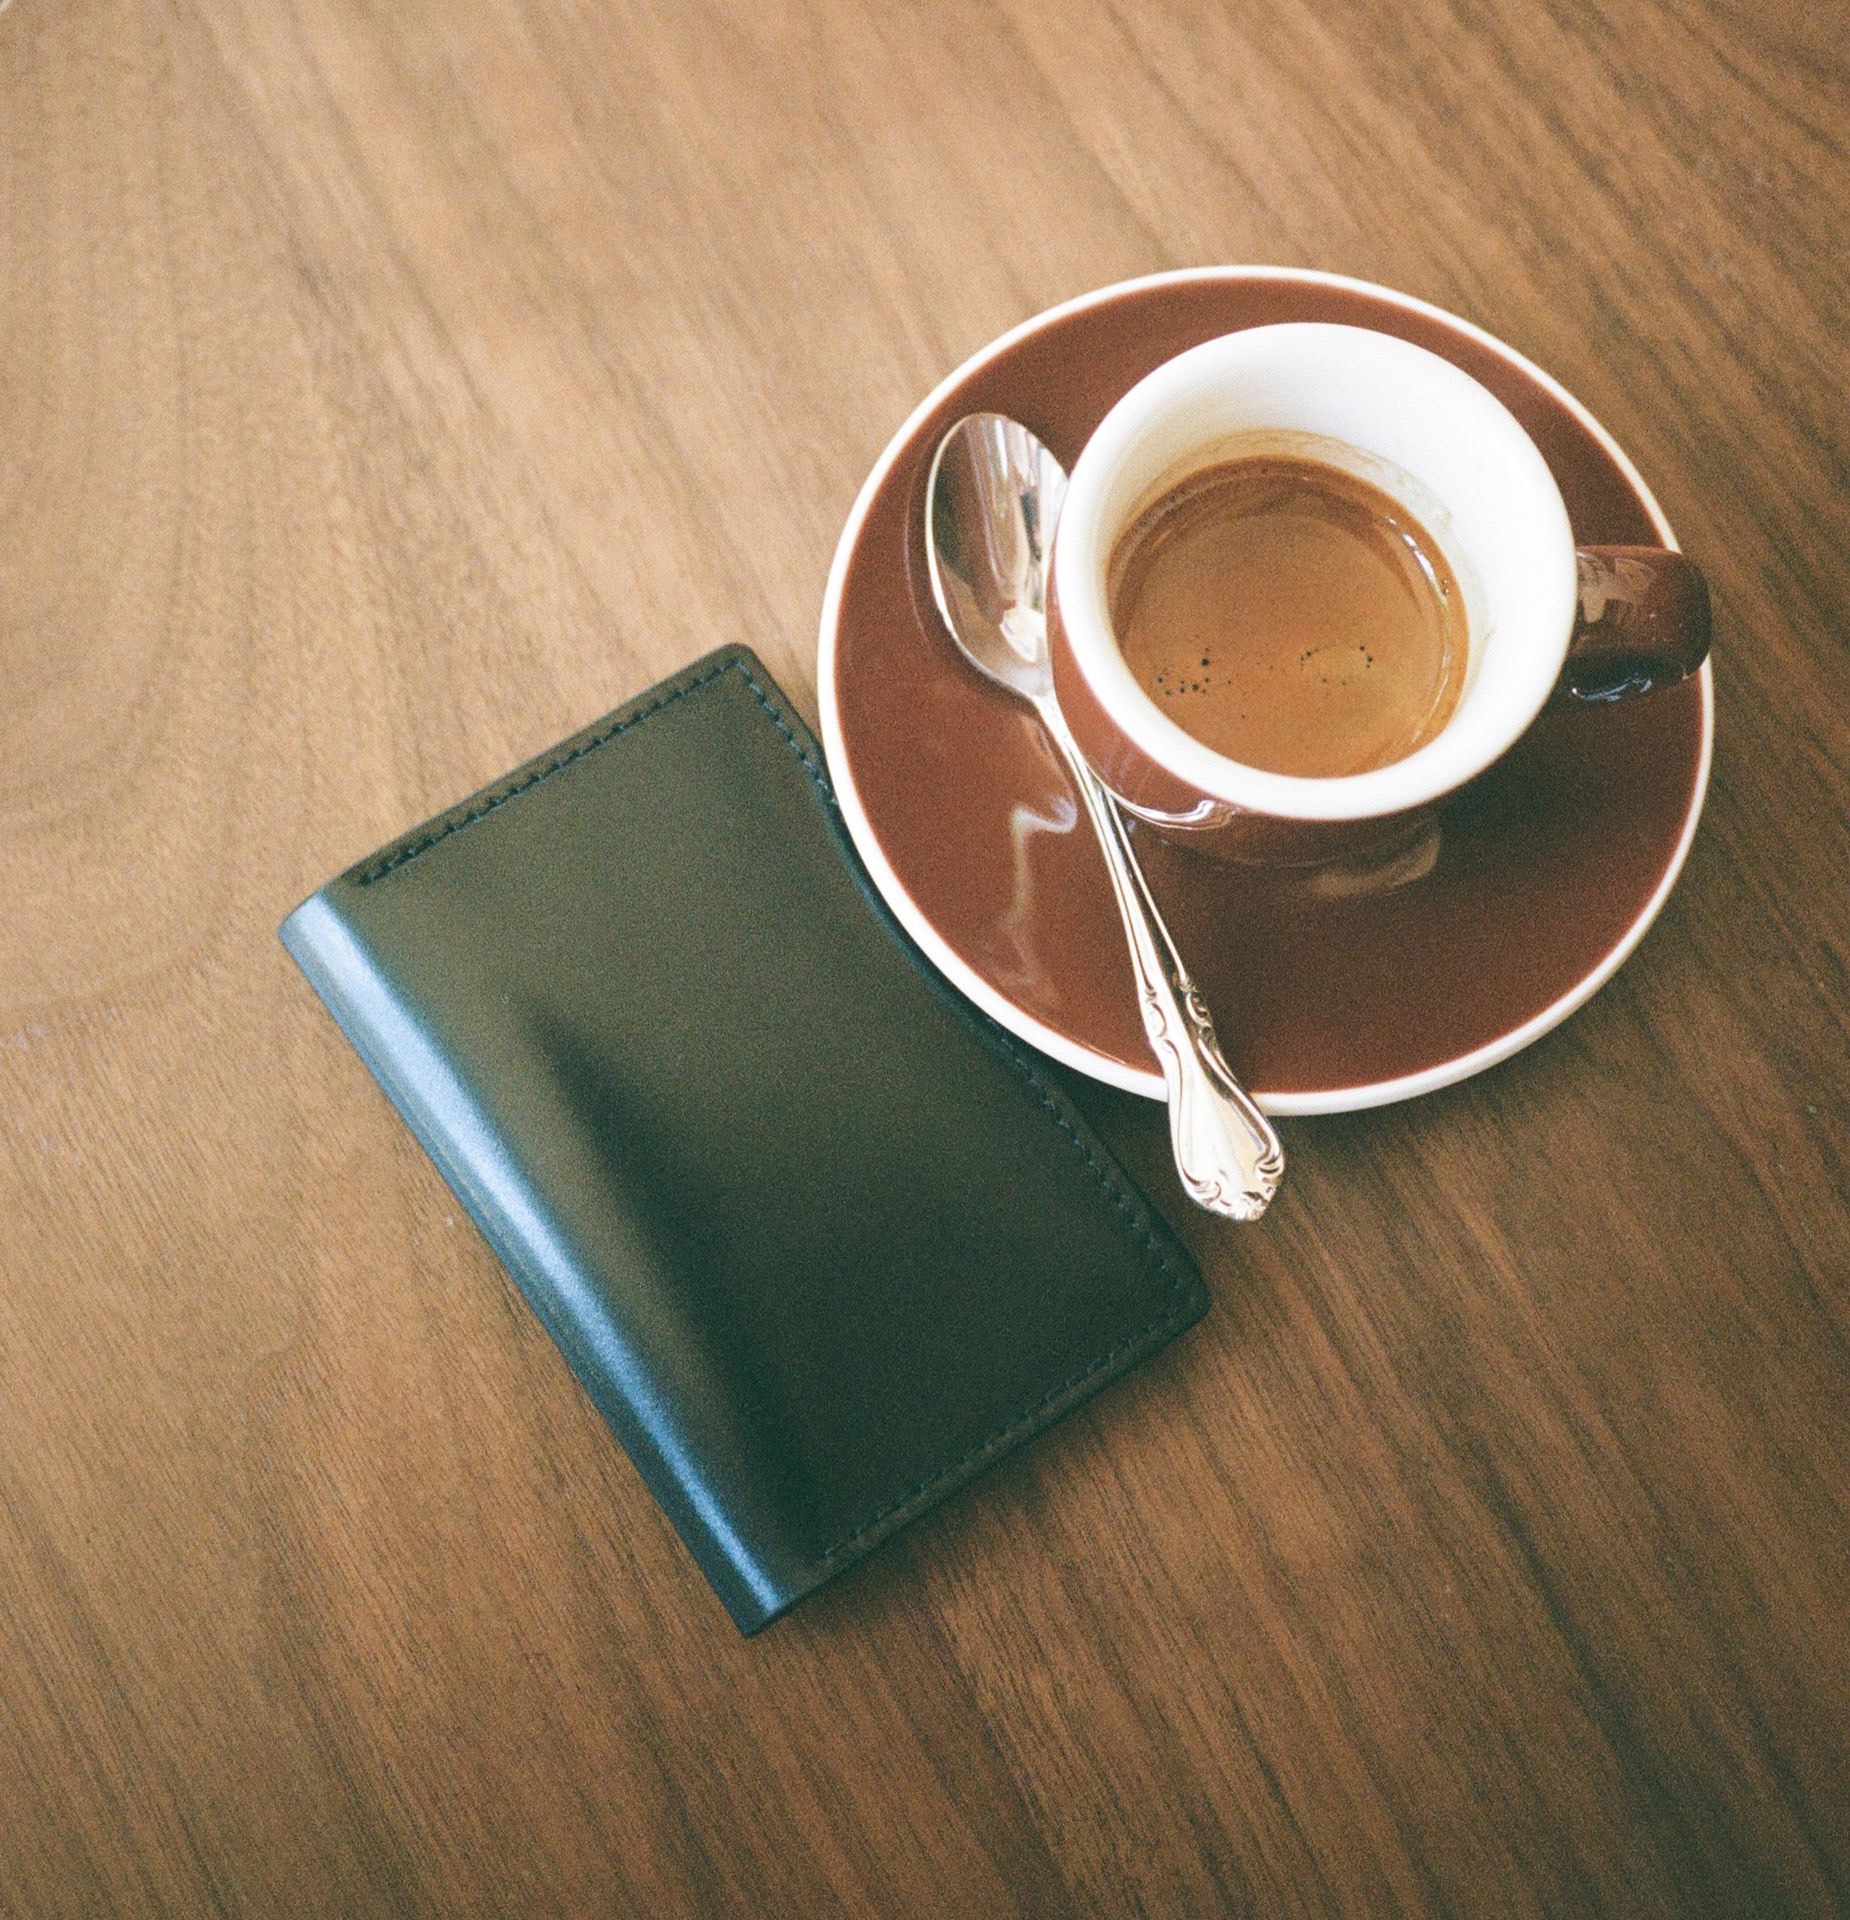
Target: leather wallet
814, 1233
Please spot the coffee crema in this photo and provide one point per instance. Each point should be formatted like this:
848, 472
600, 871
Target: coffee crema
1291, 616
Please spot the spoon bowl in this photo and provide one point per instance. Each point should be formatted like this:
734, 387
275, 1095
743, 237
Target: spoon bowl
993, 495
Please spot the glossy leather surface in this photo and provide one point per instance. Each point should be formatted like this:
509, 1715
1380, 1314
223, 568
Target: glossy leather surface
813, 1233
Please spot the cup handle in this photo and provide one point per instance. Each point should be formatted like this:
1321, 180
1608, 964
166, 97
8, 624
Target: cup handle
1642, 622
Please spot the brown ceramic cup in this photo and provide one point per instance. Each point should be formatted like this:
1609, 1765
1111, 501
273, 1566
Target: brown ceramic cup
1547, 622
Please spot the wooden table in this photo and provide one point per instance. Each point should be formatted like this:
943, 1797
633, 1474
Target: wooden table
389, 389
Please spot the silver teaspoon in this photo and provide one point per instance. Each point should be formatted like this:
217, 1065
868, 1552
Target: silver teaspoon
991, 501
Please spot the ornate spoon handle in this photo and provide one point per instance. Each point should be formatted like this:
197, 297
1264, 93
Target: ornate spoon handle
1226, 1152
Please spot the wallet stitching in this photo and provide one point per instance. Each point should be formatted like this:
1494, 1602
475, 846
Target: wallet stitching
1016, 1423
1022, 1417
403, 856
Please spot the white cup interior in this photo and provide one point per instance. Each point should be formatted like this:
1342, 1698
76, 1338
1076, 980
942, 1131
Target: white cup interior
1419, 428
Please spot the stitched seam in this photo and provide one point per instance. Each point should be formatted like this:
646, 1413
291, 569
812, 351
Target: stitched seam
403, 856
1024, 1418
1011, 1053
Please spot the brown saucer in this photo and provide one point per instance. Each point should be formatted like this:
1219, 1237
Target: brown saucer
1548, 869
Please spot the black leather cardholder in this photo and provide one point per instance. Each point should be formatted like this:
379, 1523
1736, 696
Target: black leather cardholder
816, 1236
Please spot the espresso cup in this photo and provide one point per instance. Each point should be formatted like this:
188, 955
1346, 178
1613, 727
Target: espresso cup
1545, 621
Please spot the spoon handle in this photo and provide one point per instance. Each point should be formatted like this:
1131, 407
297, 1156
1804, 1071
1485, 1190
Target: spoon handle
1229, 1159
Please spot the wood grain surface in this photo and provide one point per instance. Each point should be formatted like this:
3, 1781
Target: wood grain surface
388, 389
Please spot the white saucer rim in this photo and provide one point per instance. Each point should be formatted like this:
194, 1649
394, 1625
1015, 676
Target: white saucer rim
1025, 1026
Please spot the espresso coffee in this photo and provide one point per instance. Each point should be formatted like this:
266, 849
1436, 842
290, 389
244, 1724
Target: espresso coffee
1291, 616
